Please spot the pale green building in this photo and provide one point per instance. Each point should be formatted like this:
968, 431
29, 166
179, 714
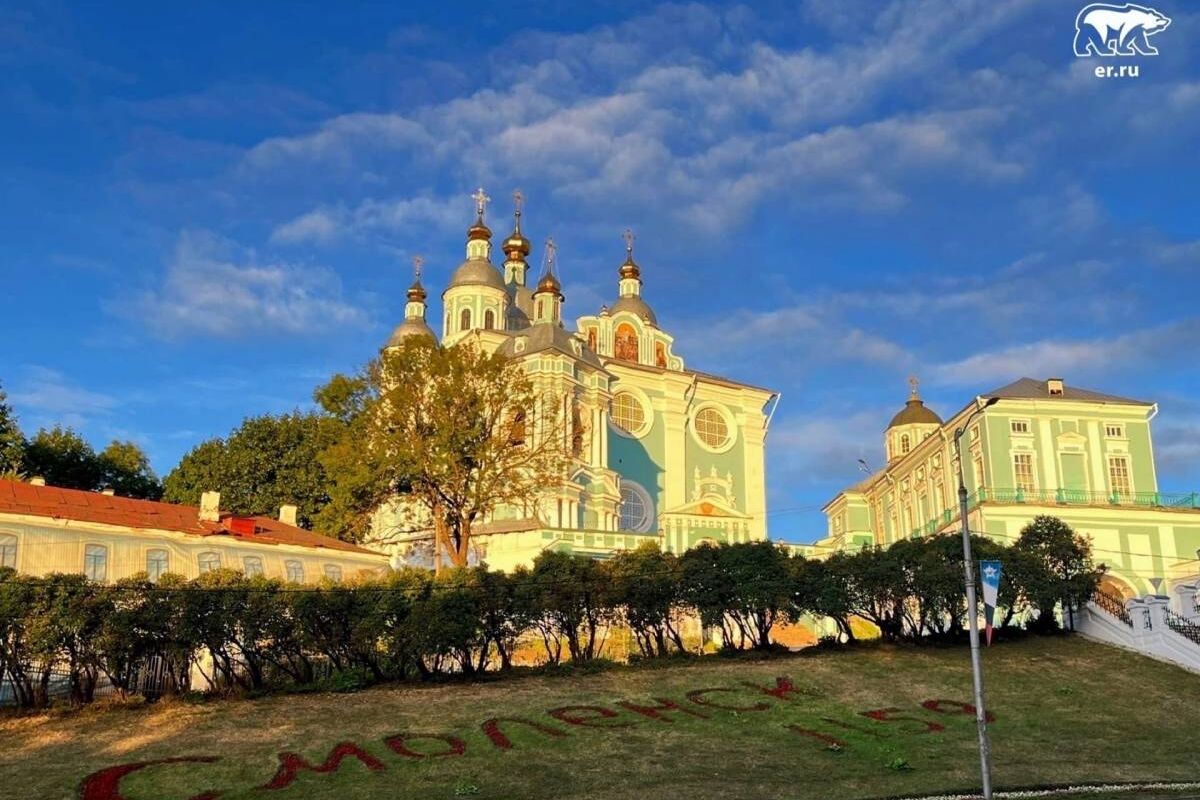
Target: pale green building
1044, 447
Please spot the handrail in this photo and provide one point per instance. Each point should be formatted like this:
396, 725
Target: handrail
1113, 606
1005, 494
1182, 626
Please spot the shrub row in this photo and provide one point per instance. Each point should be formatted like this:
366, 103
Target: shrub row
256, 633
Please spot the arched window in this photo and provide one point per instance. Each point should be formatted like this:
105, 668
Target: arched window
592, 339
627, 413
711, 428
207, 562
252, 566
8, 551
904, 444
637, 509
517, 435
295, 571
576, 431
333, 572
489, 319
464, 320
157, 563
660, 355
95, 562
626, 342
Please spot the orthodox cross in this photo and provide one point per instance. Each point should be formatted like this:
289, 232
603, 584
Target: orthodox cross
518, 204
628, 237
417, 263
481, 201
551, 251
913, 383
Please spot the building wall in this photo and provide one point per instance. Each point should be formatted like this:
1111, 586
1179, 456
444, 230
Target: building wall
1140, 536
45, 546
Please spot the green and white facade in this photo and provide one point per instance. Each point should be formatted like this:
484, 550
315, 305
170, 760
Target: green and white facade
662, 453
1043, 447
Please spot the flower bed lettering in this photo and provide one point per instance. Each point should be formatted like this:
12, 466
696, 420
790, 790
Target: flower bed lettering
750, 697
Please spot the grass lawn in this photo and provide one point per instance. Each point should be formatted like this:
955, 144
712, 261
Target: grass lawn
1067, 710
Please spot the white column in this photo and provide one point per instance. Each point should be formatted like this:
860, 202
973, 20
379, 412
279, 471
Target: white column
1186, 599
1095, 447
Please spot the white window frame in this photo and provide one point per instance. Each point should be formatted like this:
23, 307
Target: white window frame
287, 570
1033, 487
646, 523
333, 572
647, 413
730, 427
88, 551
1120, 428
1124, 459
258, 571
166, 565
9, 543
1012, 427
202, 557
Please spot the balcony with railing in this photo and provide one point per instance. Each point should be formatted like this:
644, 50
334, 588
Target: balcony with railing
1063, 497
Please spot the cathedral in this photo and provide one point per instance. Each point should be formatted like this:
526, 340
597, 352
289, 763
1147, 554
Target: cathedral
663, 453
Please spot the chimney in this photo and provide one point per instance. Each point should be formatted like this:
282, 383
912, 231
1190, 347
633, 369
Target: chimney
210, 507
37, 481
287, 515
1054, 387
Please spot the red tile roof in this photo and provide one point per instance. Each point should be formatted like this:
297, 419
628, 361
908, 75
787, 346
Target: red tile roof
18, 497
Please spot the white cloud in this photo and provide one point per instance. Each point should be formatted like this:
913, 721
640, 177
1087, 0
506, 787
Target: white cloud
701, 128
319, 225
45, 397
1102, 356
213, 287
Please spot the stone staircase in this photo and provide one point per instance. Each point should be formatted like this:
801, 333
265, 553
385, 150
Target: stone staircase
1147, 625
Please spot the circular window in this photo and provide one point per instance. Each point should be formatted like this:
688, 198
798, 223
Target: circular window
628, 414
637, 509
712, 428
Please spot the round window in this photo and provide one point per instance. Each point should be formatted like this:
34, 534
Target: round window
637, 509
628, 414
711, 428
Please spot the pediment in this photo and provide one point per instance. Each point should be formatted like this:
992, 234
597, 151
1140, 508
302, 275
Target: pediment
707, 507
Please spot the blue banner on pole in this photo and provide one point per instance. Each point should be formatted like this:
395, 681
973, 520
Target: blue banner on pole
989, 572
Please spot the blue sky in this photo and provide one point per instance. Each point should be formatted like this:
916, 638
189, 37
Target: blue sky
205, 211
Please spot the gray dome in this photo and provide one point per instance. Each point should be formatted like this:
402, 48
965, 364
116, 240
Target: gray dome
477, 272
636, 306
410, 327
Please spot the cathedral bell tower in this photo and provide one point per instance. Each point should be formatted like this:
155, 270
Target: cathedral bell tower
548, 298
476, 297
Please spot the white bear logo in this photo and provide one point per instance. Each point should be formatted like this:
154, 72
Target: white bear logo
1107, 30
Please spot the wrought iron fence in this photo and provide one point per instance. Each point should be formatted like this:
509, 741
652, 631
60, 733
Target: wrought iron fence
150, 679
1061, 497
1113, 606
1182, 626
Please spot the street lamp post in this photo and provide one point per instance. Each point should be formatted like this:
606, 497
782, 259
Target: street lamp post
985, 755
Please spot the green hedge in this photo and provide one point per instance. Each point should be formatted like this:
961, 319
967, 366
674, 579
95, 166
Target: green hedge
255, 634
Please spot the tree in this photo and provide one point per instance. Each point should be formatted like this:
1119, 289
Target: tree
12, 441
267, 462
1067, 573
822, 588
456, 432
573, 597
125, 468
647, 588
63, 458
745, 588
